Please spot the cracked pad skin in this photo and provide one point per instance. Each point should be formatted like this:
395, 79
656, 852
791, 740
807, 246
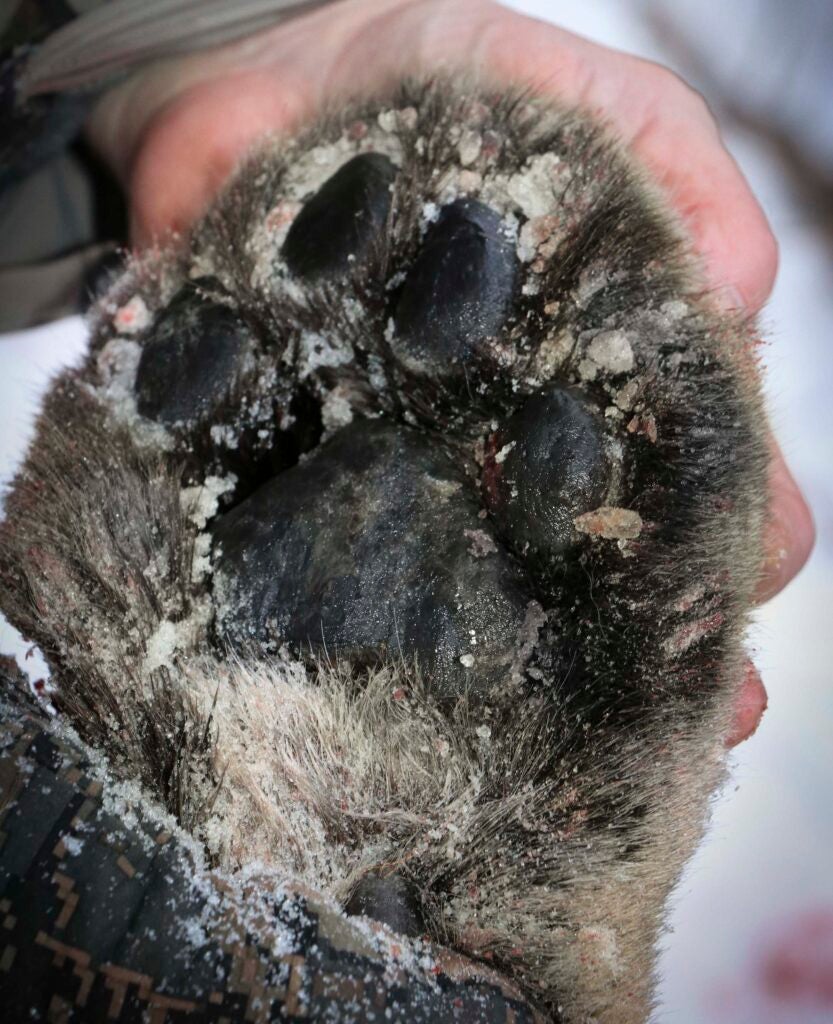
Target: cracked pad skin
445, 583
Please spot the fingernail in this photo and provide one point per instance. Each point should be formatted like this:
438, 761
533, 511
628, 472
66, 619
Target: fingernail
789, 534
774, 574
729, 298
750, 706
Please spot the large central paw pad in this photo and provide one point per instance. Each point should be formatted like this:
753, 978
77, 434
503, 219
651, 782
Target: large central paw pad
374, 547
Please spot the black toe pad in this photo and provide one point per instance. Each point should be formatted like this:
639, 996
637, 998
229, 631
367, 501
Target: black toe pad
545, 466
390, 901
458, 293
191, 360
339, 223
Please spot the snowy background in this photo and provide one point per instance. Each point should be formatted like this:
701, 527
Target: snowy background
751, 938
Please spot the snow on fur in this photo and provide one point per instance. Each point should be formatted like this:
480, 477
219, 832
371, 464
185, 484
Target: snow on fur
543, 834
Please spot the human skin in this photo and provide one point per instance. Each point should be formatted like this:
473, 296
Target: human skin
175, 130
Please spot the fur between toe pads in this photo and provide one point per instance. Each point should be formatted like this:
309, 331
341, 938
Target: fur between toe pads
542, 827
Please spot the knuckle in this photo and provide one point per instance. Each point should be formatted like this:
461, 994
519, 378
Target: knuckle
462, 8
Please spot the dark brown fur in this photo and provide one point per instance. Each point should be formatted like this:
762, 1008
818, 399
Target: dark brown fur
586, 804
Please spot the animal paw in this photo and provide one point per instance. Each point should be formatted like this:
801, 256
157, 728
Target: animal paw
425, 475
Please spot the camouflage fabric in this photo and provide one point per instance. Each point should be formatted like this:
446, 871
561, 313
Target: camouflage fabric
29, 21
32, 132
98, 915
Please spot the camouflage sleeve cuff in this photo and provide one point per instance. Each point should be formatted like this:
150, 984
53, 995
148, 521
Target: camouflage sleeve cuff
108, 913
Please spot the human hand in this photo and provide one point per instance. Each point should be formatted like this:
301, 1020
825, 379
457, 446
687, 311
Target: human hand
176, 130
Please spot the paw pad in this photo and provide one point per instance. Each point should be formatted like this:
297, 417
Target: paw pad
432, 383
545, 466
423, 360
458, 292
364, 550
191, 359
338, 224
455, 350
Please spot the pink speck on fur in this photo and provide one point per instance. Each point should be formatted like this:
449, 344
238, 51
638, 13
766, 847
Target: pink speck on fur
132, 317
